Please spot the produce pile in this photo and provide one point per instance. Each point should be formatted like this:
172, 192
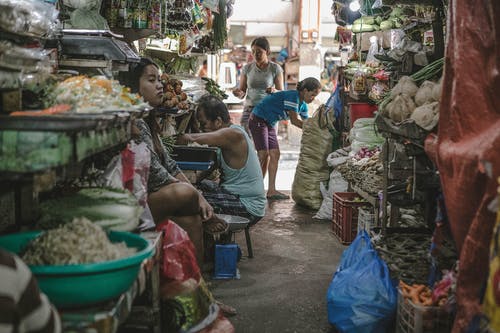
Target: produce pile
365, 173
214, 89
95, 95
78, 242
173, 96
108, 208
407, 100
407, 255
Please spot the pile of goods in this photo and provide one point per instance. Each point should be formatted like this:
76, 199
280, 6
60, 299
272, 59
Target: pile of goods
365, 173
407, 100
173, 96
214, 89
95, 95
407, 255
23, 61
108, 208
78, 242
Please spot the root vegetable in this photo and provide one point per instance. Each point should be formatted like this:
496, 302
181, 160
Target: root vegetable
424, 94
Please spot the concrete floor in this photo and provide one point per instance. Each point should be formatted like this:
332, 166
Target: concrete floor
283, 288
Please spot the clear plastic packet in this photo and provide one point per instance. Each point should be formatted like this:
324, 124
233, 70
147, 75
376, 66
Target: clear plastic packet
23, 59
30, 18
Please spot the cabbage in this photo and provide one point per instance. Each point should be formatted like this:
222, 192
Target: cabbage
406, 86
424, 93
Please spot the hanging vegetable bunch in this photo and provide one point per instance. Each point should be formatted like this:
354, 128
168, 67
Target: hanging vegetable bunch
219, 25
173, 96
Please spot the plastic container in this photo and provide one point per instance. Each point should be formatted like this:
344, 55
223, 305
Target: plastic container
412, 318
70, 286
366, 219
194, 154
226, 257
345, 215
361, 110
183, 165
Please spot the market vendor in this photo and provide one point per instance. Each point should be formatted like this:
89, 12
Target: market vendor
170, 194
241, 187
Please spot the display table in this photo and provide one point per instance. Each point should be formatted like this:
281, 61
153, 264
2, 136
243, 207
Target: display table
124, 311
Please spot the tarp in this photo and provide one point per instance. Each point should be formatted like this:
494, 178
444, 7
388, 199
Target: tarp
468, 142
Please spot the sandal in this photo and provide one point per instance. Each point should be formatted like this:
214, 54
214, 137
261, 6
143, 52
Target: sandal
279, 196
215, 226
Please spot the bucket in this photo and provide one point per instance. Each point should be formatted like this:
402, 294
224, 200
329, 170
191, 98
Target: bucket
361, 110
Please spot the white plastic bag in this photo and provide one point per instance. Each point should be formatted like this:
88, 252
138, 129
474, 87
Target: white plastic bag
337, 183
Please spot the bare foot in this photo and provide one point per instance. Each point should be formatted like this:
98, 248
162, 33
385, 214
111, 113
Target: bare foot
215, 225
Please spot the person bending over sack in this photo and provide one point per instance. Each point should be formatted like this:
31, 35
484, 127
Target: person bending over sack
281, 105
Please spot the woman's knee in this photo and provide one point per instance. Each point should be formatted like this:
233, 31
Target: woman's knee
274, 154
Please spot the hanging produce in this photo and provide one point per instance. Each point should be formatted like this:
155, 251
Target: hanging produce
219, 25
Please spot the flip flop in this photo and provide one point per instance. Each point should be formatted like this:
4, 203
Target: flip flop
279, 196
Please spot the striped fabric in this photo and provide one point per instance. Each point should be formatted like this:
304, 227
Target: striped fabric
23, 308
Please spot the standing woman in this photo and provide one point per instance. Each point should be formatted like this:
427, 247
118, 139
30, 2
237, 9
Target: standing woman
282, 105
258, 79
170, 194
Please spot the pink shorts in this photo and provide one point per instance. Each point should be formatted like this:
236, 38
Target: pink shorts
263, 135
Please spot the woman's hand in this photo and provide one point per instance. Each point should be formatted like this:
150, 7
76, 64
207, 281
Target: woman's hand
206, 211
270, 90
238, 93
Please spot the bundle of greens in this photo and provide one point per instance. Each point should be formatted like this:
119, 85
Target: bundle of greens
109, 208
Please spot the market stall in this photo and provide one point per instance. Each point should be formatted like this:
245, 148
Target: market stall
390, 103
67, 159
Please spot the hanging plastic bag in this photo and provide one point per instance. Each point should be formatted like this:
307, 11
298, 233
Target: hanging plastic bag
372, 51
180, 271
362, 298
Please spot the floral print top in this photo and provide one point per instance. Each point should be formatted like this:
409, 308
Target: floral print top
162, 171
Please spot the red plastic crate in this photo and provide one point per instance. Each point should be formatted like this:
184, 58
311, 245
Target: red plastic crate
345, 216
361, 110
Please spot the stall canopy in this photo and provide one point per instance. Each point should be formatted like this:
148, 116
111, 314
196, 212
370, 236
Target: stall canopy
467, 149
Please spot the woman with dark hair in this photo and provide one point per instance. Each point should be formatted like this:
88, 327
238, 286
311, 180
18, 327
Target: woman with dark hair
282, 105
170, 194
258, 78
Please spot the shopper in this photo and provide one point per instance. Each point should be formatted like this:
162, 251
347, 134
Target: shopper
241, 187
170, 194
282, 105
23, 308
258, 79
203, 72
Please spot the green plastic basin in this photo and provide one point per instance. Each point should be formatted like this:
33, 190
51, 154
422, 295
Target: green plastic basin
70, 286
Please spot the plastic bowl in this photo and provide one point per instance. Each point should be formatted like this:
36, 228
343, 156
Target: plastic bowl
235, 222
70, 286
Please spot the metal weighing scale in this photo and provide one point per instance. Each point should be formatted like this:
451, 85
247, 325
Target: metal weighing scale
95, 49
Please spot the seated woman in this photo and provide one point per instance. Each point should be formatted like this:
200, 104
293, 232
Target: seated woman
170, 194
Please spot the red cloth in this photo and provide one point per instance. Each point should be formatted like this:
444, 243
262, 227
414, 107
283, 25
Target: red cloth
469, 135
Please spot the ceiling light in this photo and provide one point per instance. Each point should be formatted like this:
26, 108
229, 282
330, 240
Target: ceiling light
354, 6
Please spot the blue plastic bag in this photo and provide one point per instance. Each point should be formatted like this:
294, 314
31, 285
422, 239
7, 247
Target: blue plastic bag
355, 251
361, 297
